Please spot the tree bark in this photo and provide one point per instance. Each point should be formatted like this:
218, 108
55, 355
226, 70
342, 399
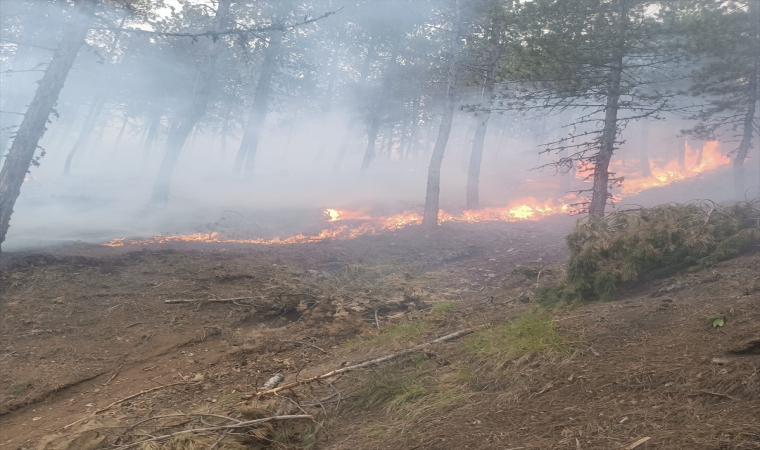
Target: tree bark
752, 99
347, 137
411, 147
646, 169
377, 112
250, 143
155, 123
476, 157
193, 112
225, 130
32, 128
433, 191
121, 131
84, 135
600, 190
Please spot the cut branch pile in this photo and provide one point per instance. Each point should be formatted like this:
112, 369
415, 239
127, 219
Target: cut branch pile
624, 245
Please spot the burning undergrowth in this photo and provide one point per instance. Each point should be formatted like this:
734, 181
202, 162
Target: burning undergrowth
629, 244
344, 224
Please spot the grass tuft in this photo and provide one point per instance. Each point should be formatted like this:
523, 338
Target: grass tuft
533, 332
445, 307
402, 333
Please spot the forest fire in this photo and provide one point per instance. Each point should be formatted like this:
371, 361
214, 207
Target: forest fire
345, 224
671, 172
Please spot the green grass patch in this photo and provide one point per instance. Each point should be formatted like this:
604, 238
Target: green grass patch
445, 307
407, 394
533, 332
407, 332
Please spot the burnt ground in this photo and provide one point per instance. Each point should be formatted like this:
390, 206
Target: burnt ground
85, 326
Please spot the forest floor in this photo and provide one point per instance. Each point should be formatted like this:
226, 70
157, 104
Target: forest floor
85, 326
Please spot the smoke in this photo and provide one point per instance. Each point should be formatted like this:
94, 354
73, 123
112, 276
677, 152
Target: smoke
327, 86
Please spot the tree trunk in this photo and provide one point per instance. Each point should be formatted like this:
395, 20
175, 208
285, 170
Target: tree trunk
250, 143
86, 133
700, 152
433, 191
18, 88
225, 130
32, 128
646, 169
155, 124
377, 112
476, 157
193, 112
752, 99
346, 142
600, 190
411, 147
121, 131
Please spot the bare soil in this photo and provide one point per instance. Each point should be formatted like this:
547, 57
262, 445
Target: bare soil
85, 326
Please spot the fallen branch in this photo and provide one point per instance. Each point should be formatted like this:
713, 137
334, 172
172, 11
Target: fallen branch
364, 364
216, 428
106, 408
306, 344
637, 443
114, 375
213, 300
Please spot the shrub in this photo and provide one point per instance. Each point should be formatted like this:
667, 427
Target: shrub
604, 252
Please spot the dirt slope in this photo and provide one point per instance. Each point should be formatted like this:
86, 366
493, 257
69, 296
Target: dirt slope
81, 332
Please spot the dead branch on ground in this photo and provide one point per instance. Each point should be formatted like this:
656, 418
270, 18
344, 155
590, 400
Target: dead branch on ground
212, 300
364, 364
213, 429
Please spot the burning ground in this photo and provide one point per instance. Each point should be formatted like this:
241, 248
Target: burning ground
88, 327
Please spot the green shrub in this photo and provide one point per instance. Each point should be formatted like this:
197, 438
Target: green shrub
604, 252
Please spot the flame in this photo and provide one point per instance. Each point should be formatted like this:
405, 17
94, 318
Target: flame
346, 224
671, 172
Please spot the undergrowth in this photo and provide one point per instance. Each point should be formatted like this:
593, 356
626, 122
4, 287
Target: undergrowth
409, 395
407, 332
533, 332
623, 246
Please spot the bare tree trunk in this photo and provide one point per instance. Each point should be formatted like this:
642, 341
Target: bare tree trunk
377, 112
646, 169
476, 157
18, 88
752, 99
600, 191
433, 191
346, 143
86, 133
700, 152
121, 131
225, 131
194, 112
411, 147
155, 124
250, 143
32, 128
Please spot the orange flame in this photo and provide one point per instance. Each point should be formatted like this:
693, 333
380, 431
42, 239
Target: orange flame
524, 209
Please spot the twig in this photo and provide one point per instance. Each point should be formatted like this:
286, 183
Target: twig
718, 394
114, 375
105, 408
217, 428
213, 300
305, 343
365, 364
637, 443
377, 321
